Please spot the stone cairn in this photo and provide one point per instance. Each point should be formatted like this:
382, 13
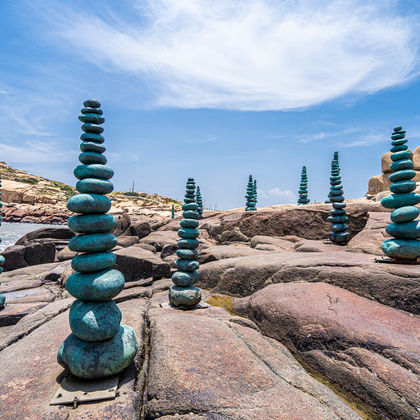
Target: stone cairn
99, 345
2, 297
405, 229
173, 211
250, 196
255, 192
182, 293
199, 202
303, 188
339, 234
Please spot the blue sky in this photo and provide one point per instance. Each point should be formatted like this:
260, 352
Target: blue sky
216, 90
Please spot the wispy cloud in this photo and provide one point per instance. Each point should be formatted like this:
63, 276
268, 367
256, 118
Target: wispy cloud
245, 54
281, 196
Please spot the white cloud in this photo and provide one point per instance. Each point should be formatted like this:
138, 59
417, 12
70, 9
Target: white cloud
246, 54
281, 196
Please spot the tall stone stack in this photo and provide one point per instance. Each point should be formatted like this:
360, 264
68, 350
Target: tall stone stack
99, 345
199, 202
255, 192
2, 297
250, 196
405, 229
182, 293
338, 217
173, 212
303, 188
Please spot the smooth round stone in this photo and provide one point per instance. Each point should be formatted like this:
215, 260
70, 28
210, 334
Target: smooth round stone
186, 265
92, 157
92, 223
401, 250
339, 205
94, 321
92, 103
399, 148
189, 223
93, 171
393, 201
94, 186
95, 242
89, 146
336, 199
2, 260
188, 233
184, 297
187, 254
187, 243
407, 230
338, 219
405, 214
399, 142
185, 279
89, 263
303, 201
92, 128
97, 286
336, 193
92, 137
91, 118
339, 227
89, 203
2, 301
190, 206
404, 154
337, 185
401, 187
90, 110
397, 128
402, 175
189, 200
190, 214
335, 178
398, 136
340, 237
98, 359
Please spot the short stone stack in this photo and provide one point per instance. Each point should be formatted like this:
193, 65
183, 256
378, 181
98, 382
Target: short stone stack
338, 217
2, 297
199, 202
303, 188
405, 229
99, 345
250, 196
182, 293
173, 212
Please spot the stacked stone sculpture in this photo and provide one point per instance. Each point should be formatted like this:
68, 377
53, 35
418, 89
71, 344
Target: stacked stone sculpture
303, 188
173, 212
199, 202
405, 229
182, 293
99, 345
338, 217
250, 196
255, 192
2, 297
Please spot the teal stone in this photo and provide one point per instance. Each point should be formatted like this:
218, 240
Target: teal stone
335, 178
398, 128
403, 187
399, 142
402, 175
91, 118
190, 206
393, 201
340, 237
407, 230
98, 286
405, 214
93, 171
88, 263
185, 279
92, 157
339, 227
401, 249
94, 186
338, 219
89, 146
2, 260
92, 103
189, 223
399, 148
92, 128
98, 359
94, 321
186, 265
92, 137
401, 155
336, 193
94, 242
2, 301
89, 203
190, 214
188, 243
339, 205
187, 254
89, 110
92, 223
335, 199
398, 136
184, 297
188, 233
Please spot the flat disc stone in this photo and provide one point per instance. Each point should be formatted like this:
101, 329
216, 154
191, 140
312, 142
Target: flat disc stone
93, 171
189, 223
98, 359
190, 206
339, 227
188, 254
337, 212
94, 242
190, 214
403, 154
92, 157
92, 223
403, 175
401, 164
407, 230
184, 297
340, 237
186, 265
336, 193
394, 201
89, 203
94, 186
187, 243
405, 214
89, 263
92, 128
89, 146
92, 103
399, 148
93, 137
188, 233
399, 142
338, 219
94, 321
338, 199
185, 279
90, 110
98, 286
91, 118
401, 187
401, 249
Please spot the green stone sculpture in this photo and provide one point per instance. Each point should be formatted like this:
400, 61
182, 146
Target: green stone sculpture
199, 202
182, 293
405, 229
173, 212
303, 188
99, 345
2, 297
255, 192
250, 196
338, 217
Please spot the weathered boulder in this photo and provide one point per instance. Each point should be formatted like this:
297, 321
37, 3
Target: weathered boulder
63, 233
126, 241
233, 235
220, 252
367, 348
123, 226
140, 228
65, 254
160, 239
19, 256
261, 241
